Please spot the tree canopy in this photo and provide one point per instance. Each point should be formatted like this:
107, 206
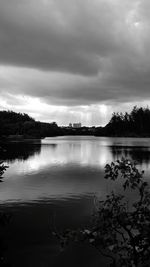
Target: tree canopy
134, 123
12, 123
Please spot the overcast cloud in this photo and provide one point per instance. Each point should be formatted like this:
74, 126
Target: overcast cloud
74, 60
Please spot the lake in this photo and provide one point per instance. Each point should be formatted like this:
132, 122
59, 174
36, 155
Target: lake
53, 184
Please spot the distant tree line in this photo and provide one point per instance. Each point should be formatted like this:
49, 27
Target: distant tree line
135, 123
78, 131
21, 124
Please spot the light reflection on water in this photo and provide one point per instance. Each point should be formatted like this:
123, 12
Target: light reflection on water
64, 168
58, 179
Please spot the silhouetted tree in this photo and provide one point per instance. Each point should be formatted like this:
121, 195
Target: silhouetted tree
121, 227
16, 124
135, 123
4, 220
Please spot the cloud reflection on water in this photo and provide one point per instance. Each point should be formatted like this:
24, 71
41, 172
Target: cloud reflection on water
69, 167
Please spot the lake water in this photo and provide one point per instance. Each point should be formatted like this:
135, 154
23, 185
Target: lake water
54, 183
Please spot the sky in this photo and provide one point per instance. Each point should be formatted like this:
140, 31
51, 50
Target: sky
74, 60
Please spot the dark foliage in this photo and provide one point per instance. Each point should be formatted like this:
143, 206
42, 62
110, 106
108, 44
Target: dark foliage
121, 227
18, 125
3, 168
136, 123
78, 131
4, 220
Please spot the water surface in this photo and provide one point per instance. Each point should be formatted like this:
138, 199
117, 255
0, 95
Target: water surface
58, 180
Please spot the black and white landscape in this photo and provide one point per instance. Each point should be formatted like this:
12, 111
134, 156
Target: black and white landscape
74, 97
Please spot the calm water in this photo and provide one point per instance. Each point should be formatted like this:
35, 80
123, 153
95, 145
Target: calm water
57, 180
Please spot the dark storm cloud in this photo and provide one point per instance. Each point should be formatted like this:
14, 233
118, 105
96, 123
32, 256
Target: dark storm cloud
75, 52
56, 35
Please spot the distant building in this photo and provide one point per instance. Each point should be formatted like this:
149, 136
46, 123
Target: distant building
77, 125
70, 125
